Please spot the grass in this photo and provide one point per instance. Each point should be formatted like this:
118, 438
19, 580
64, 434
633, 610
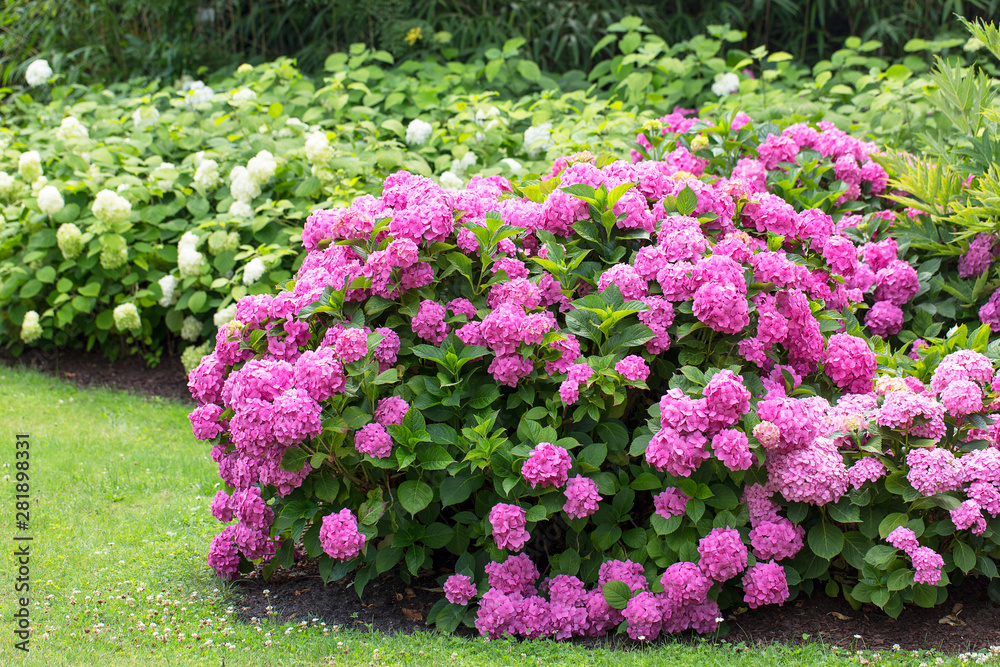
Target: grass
120, 526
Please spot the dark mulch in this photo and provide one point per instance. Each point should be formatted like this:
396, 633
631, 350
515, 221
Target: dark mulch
968, 621
91, 370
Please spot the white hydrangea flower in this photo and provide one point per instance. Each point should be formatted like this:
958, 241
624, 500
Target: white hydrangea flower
49, 200
244, 68
168, 285
111, 208
145, 117
38, 184
318, 150
122, 187
207, 174
189, 260
451, 181
114, 257
29, 165
241, 209
261, 167
219, 241
71, 128
195, 93
127, 317
224, 316
191, 328
460, 166
7, 184
243, 95
515, 167
418, 132
242, 185
253, 270
726, 83
160, 176
31, 330
538, 139
38, 72
70, 240
192, 356
296, 125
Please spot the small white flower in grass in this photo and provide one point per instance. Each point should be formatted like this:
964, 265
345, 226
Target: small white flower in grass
168, 285
38, 72
207, 174
451, 181
71, 128
224, 316
538, 139
145, 117
253, 270
191, 328
726, 83
127, 317
418, 132
111, 208
318, 149
29, 165
49, 200
241, 209
30, 329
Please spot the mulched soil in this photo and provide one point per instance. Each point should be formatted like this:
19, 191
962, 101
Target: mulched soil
968, 621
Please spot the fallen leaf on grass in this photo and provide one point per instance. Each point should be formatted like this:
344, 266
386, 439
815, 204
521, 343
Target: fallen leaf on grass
412, 614
840, 617
410, 594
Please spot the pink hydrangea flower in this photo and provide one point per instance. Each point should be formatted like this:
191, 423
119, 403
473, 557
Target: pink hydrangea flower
684, 583
514, 576
676, 453
644, 615
633, 367
508, 523
429, 322
320, 373
581, 497
884, 319
928, 564
221, 507
205, 421
867, 469
623, 570
374, 440
933, 470
765, 583
969, 515
339, 535
850, 363
391, 410
671, 502
732, 447
548, 465
776, 539
223, 555
723, 554
903, 538
962, 397
351, 345
815, 474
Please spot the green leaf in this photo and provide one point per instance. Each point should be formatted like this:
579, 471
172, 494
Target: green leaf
617, 594
372, 509
415, 495
529, 70
646, 481
880, 556
826, 540
46, 274
197, 302
326, 486
965, 557
900, 579
458, 488
687, 201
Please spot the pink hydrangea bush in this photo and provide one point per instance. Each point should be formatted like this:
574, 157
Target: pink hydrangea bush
636, 390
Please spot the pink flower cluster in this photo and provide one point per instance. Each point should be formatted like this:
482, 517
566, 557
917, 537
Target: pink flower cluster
926, 561
548, 465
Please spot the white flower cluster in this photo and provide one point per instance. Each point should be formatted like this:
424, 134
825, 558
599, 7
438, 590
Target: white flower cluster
7, 185
459, 166
241, 209
219, 241
192, 356
261, 167
253, 270
70, 240
418, 132
726, 83
292, 127
127, 317
163, 175
224, 316
38, 72
243, 95
168, 285
114, 255
111, 208
245, 182
318, 150
207, 174
191, 328
451, 181
242, 186
195, 93
71, 128
189, 260
30, 329
145, 117
538, 139
29, 165
49, 200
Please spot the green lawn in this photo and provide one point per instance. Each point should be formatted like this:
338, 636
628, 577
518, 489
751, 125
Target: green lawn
120, 526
